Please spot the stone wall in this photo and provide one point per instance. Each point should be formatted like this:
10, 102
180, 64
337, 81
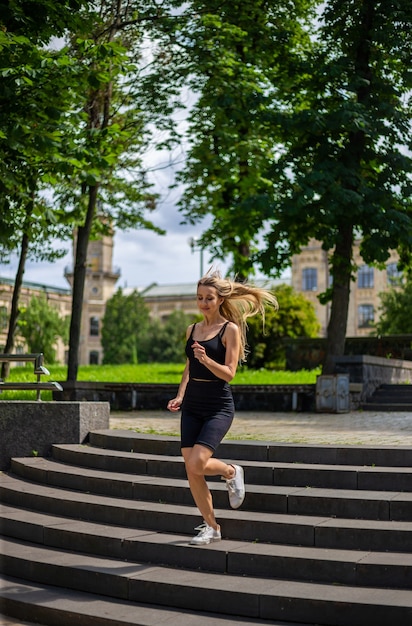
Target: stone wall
373, 371
309, 353
30, 428
154, 397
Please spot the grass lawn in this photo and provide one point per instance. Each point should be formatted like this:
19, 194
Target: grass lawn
167, 373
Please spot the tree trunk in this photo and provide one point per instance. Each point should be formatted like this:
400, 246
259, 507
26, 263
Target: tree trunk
14, 313
342, 257
342, 276
79, 279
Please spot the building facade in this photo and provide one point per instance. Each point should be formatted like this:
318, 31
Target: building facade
310, 276
99, 287
60, 299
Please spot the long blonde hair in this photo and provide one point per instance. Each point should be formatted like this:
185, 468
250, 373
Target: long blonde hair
240, 301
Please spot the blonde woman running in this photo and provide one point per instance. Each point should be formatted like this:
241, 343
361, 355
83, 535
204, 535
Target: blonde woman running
214, 347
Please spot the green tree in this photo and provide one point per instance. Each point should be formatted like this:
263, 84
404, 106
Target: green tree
33, 100
108, 189
324, 150
396, 307
164, 341
40, 20
345, 171
296, 317
124, 326
41, 325
239, 59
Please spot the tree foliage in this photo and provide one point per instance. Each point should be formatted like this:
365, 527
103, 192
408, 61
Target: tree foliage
107, 187
41, 325
165, 340
345, 171
125, 324
396, 306
130, 336
238, 60
296, 317
301, 130
34, 99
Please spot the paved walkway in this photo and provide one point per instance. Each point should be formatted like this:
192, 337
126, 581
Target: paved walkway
355, 428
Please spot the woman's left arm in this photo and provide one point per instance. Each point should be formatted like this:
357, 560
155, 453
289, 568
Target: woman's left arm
227, 370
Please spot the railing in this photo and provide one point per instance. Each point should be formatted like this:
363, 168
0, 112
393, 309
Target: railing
39, 370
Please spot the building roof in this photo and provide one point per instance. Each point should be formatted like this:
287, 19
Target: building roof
36, 286
189, 289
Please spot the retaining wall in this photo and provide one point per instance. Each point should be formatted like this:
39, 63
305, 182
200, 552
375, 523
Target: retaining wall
30, 428
373, 371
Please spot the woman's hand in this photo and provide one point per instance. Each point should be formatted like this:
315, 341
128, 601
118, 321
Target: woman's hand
174, 405
199, 352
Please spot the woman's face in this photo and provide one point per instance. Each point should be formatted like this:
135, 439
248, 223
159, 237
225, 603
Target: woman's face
208, 300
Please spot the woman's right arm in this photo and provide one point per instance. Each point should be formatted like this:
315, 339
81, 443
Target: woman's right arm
175, 404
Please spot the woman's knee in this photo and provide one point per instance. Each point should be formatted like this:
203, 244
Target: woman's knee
195, 466
197, 460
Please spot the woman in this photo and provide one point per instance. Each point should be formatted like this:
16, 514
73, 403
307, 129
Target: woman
214, 347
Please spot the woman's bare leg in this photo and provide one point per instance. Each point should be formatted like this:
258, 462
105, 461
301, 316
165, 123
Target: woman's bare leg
200, 463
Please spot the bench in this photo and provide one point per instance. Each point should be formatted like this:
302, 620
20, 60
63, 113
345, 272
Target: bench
39, 370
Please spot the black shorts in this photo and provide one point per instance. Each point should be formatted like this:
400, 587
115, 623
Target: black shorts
207, 413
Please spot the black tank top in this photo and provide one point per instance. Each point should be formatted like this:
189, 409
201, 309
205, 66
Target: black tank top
214, 349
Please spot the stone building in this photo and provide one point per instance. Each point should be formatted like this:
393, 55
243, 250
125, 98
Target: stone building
99, 287
60, 298
310, 276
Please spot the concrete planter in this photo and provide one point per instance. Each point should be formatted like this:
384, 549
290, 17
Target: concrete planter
31, 428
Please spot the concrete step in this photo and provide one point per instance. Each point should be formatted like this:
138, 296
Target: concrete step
283, 528
351, 567
390, 398
199, 591
373, 405
378, 505
116, 518
395, 390
57, 606
382, 456
256, 472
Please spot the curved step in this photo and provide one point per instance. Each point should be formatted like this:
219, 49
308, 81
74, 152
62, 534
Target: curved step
353, 567
47, 604
322, 531
385, 456
238, 595
378, 505
256, 472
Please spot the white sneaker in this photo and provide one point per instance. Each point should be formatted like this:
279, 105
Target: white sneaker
236, 487
206, 535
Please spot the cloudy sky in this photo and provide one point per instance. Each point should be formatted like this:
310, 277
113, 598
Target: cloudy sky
142, 256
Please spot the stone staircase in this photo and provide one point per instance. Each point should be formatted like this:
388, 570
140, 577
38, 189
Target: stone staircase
97, 535
390, 398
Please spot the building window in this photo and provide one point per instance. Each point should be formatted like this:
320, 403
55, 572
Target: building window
365, 277
94, 357
94, 326
365, 315
393, 274
310, 279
